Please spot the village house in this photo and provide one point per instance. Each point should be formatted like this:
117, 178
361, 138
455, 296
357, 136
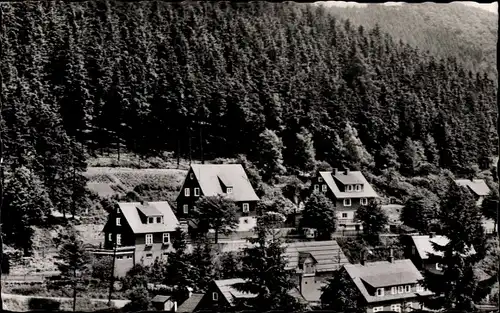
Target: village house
348, 190
418, 248
164, 303
223, 296
314, 263
388, 285
218, 179
142, 232
478, 188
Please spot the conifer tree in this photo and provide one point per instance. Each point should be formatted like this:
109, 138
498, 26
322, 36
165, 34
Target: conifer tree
341, 295
270, 158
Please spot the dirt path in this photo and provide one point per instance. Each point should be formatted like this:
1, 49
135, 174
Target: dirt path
117, 303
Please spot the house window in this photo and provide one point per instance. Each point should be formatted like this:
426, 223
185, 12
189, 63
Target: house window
215, 296
378, 309
149, 255
158, 220
118, 222
438, 267
320, 179
344, 215
110, 237
119, 257
166, 238
358, 187
229, 190
118, 210
246, 207
196, 192
309, 269
151, 220
349, 187
380, 292
186, 192
420, 288
401, 289
347, 202
185, 208
149, 239
316, 187
191, 175
396, 307
413, 250
118, 239
407, 288
364, 201
394, 290
129, 256
165, 256
323, 188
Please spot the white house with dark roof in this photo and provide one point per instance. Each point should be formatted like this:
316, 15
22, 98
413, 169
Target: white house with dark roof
477, 187
142, 232
348, 190
388, 285
229, 180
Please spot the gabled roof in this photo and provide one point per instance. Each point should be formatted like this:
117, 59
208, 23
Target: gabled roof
226, 287
161, 299
190, 304
328, 254
384, 274
477, 186
303, 256
130, 212
424, 246
210, 176
354, 177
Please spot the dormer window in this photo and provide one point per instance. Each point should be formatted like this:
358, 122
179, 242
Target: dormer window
380, 292
358, 187
420, 288
151, 220
400, 289
349, 187
394, 290
158, 220
229, 190
196, 192
407, 288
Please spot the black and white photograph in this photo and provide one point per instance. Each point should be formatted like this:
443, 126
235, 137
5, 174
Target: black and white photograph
241, 157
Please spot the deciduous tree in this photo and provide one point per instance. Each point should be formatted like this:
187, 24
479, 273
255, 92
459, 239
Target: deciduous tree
319, 213
373, 219
217, 213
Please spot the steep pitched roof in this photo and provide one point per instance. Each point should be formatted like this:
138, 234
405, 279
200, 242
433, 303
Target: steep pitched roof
328, 254
210, 176
148, 210
130, 211
384, 274
477, 186
424, 246
190, 304
303, 256
354, 177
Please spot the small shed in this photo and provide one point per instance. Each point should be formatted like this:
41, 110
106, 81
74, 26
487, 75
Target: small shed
164, 303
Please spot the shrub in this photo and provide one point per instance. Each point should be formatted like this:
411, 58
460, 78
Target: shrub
43, 304
28, 290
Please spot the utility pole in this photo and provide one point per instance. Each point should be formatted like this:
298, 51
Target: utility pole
1, 172
112, 277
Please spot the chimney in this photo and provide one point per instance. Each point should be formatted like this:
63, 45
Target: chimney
144, 203
347, 171
431, 234
335, 171
391, 256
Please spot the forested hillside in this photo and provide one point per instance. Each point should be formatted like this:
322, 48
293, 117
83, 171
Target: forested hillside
284, 84
442, 29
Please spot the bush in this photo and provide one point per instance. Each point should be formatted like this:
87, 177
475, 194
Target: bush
43, 304
28, 290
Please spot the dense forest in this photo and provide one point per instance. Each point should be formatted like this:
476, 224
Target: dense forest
451, 29
207, 80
